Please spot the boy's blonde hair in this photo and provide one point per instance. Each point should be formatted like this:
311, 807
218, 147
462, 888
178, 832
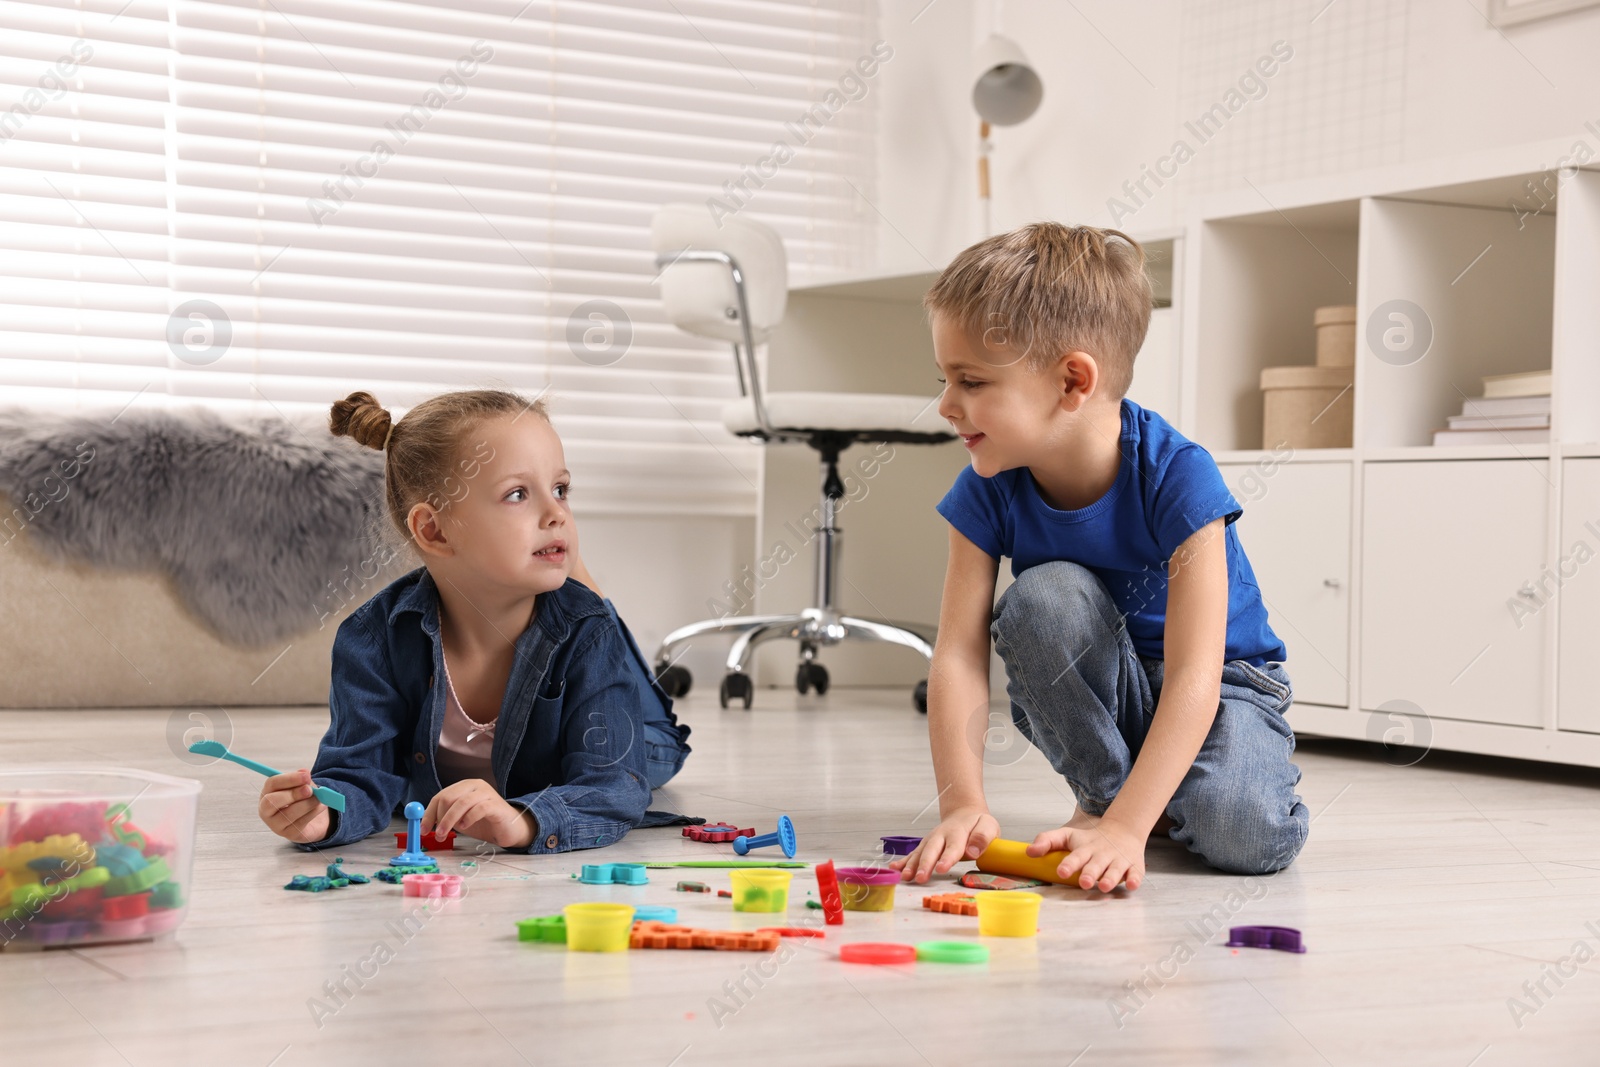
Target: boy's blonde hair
1046, 289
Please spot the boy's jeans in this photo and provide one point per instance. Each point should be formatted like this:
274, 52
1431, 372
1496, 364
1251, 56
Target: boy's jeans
1083, 696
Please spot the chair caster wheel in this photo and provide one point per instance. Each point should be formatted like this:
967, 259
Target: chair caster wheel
919, 696
810, 676
736, 686
674, 680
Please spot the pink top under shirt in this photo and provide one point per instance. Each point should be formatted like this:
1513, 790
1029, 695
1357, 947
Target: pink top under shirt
464, 747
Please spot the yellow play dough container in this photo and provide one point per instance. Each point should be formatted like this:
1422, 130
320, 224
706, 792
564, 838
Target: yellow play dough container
598, 926
760, 889
1008, 913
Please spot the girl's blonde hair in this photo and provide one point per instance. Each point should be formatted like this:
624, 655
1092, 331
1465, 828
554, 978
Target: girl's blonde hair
423, 451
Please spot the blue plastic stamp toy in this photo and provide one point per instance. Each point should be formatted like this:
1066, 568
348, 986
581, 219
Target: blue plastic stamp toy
413, 856
783, 837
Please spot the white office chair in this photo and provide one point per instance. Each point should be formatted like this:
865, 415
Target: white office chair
730, 281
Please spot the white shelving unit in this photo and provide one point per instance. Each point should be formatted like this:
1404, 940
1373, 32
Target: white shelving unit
1440, 596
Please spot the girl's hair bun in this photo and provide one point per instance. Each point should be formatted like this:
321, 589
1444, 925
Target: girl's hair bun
359, 416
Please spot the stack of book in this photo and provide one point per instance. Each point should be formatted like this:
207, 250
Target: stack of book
1514, 409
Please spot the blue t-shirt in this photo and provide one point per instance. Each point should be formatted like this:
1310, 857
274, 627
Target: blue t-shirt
1167, 488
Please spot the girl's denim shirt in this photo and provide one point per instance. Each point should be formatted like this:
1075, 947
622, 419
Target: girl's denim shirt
569, 746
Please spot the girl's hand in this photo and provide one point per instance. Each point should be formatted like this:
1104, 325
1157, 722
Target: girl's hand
289, 809
477, 809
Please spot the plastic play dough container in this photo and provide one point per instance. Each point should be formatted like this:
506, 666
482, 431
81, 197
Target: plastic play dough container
598, 926
1008, 913
760, 889
867, 888
92, 854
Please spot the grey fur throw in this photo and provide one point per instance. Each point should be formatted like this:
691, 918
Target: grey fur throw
267, 528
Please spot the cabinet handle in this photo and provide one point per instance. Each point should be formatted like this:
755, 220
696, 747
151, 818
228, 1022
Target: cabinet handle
1332, 583
1528, 591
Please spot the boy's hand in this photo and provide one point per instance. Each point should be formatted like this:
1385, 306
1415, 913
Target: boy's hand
289, 809
960, 835
1102, 855
477, 809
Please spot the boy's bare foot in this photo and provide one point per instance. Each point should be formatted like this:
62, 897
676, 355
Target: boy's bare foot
1082, 820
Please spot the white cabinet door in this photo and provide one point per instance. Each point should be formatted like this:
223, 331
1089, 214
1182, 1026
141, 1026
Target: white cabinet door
1296, 533
1447, 547
1577, 577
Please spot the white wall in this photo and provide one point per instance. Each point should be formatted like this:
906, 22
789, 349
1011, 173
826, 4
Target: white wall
1370, 82
662, 571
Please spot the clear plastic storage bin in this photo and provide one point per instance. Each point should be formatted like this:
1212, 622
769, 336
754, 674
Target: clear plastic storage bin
93, 854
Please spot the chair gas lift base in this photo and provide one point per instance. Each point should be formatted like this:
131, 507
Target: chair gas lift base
705, 290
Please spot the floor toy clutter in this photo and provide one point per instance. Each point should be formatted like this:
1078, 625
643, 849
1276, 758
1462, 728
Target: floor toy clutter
331, 797
1011, 858
431, 885
790, 931
79, 872
314, 883
336, 878
784, 837
721, 864
828, 889
413, 855
717, 833
867, 888
1282, 938
551, 929
649, 933
666, 936
984, 880
614, 873
430, 843
392, 875
1008, 914
877, 952
952, 904
598, 926
336, 870
693, 887
951, 952
761, 889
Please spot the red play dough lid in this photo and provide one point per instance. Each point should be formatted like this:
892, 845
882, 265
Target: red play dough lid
877, 952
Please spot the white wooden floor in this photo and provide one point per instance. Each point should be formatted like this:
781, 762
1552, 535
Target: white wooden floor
1428, 895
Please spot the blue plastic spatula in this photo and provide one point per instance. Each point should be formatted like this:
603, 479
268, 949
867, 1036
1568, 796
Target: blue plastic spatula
331, 797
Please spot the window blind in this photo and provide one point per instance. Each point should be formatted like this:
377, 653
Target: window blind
262, 205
